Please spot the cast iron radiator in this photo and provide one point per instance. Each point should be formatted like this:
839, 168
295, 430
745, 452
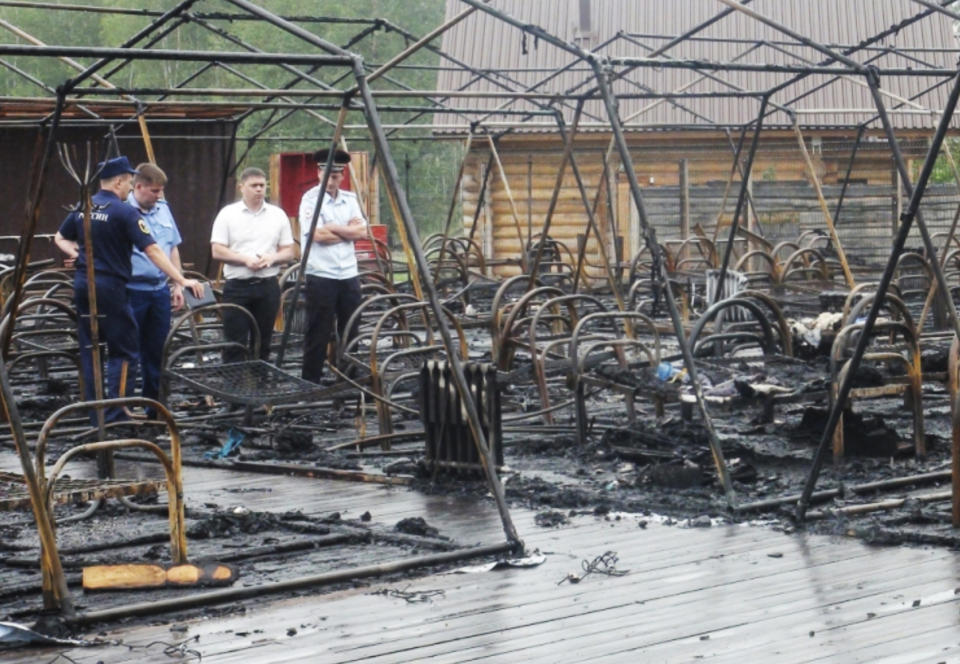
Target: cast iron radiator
733, 283
450, 446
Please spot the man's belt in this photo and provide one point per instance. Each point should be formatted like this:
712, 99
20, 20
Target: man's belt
252, 280
153, 283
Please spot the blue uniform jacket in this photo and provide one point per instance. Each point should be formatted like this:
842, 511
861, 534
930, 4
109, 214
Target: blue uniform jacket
146, 275
116, 228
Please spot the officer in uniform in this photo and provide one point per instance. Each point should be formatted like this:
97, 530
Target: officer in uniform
151, 298
332, 284
115, 229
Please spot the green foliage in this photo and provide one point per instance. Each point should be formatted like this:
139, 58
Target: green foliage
942, 171
429, 167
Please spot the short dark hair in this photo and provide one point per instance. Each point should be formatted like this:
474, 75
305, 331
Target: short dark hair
251, 172
150, 174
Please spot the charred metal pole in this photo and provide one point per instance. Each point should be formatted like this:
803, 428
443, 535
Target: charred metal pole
149, 13
802, 70
506, 189
931, 294
890, 31
591, 225
396, 194
546, 79
887, 33
391, 178
738, 167
58, 590
846, 178
943, 9
179, 87
651, 238
918, 191
306, 76
744, 180
620, 140
30, 223
155, 39
481, 197
734, 169
92, 70
453, 198
174, 55
413, 48
679, 39
224, 179
308, 244
906, 220
28, 77
779, 27
534, 267
497, 81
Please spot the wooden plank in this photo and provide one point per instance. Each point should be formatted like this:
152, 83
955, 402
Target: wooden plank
621, 633
566, 599
271, 644
752, 592
800, 640
601, 623
925, 644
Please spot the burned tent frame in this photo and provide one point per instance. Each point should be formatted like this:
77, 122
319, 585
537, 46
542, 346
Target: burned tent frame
336, 56
521, 103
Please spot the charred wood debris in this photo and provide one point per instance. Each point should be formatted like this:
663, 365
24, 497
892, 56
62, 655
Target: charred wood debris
588, 410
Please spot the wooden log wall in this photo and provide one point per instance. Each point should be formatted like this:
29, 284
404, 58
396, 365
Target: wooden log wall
785, 200
532, 184
786, 210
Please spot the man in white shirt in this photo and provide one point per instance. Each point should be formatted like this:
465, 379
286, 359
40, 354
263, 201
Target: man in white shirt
332, 284
252, 238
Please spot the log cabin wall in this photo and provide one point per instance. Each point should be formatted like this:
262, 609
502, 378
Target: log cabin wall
785, 199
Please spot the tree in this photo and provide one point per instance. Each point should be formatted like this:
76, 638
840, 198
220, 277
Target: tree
376, 30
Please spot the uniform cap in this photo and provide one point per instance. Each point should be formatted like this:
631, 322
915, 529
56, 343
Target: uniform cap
340, 159
114, 167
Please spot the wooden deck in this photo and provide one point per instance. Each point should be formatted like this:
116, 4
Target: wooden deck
719, 594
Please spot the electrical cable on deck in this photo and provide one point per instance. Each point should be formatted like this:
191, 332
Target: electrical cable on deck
605, 563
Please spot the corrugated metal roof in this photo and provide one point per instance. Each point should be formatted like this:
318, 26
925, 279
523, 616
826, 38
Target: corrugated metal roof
634, 28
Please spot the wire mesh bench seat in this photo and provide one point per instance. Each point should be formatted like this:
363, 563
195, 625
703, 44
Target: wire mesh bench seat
250, 383
15, 496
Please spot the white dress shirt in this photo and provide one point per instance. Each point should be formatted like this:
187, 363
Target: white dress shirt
331, 261
253, 234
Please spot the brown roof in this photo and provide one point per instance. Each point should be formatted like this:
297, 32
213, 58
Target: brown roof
633, 28
34, 108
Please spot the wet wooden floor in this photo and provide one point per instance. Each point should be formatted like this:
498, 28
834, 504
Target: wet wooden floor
718, 594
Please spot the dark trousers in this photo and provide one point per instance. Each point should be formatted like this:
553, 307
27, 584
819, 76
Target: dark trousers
261, 297
117, 327
151, 310
327, 299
